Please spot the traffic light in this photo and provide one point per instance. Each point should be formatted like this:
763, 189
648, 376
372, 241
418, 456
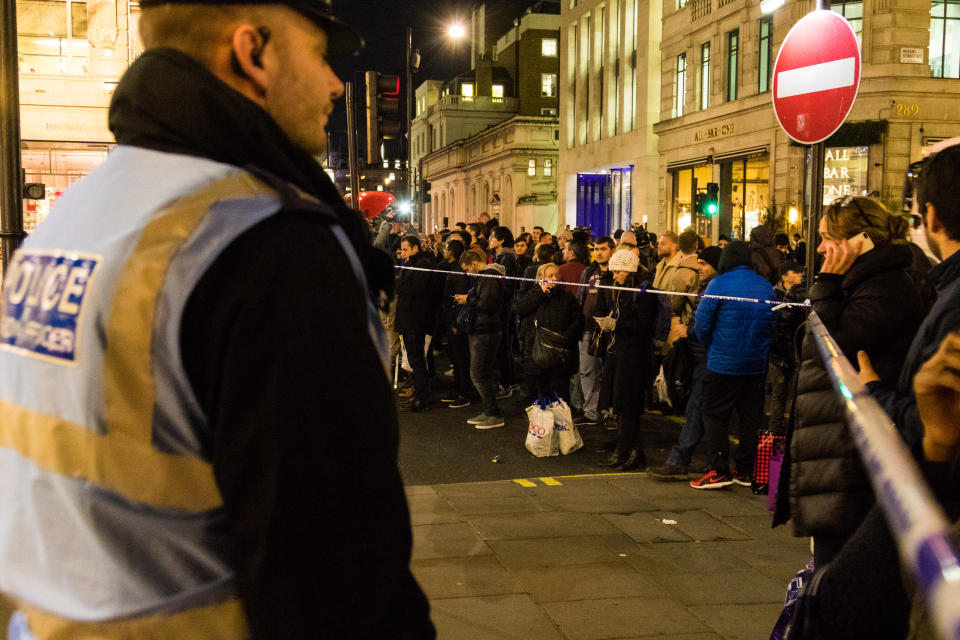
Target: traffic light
383, 112
425, 191
711, 202
698, 203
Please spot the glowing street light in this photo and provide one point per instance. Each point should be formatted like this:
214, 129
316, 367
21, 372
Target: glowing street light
456, 31
404, 208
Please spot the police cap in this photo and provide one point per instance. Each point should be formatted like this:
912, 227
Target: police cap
342, 39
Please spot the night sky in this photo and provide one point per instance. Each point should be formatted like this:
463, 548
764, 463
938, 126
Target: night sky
383, 24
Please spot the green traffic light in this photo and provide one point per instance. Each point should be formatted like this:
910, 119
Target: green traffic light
711, 208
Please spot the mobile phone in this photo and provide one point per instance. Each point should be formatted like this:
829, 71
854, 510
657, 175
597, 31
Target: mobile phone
866, 244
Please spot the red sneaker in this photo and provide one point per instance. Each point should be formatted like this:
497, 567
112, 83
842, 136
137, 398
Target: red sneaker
712, 480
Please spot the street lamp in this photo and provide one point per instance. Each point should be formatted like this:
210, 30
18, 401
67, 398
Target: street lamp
455, 32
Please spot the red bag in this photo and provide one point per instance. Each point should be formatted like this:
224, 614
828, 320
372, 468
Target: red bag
767, 444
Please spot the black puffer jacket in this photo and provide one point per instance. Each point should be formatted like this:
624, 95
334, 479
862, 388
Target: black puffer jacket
557, 311
873, 307
418, 297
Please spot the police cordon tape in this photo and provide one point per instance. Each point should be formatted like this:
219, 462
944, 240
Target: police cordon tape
777, 304
914, 516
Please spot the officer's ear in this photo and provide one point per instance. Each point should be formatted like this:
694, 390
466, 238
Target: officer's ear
248, 45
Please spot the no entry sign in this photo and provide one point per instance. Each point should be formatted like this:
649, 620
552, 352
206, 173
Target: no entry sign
816, 76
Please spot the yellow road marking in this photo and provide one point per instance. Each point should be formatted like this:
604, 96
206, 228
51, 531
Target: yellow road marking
551, 482
525, 483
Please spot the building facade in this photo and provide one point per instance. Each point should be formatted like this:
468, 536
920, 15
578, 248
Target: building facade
610, 100
507, 172
71, 55
717, 122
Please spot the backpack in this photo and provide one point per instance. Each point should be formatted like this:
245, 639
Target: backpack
466, 316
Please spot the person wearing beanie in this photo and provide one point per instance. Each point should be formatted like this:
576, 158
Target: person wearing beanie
737, 337
785, 345
684, 336
630, 316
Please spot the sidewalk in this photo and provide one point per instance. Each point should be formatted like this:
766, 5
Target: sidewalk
596, 557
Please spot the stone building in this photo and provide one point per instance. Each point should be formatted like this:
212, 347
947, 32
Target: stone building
474, 136
609, 102
68, 68
717, 122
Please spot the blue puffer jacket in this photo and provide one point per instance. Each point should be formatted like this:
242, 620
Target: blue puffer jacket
737, 334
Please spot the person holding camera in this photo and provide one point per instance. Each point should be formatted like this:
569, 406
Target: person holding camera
629, 316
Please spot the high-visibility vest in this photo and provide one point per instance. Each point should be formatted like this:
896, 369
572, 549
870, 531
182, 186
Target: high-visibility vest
111, 523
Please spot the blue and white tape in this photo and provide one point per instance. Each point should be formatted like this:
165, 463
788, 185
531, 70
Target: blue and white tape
777, 304
915, 518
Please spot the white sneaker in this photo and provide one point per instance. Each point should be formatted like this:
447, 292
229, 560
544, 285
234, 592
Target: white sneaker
478, 419
490, 423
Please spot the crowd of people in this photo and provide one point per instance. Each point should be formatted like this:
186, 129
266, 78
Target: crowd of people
594, 320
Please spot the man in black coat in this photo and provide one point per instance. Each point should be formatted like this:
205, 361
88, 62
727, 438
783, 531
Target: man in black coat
784, 347
416, 316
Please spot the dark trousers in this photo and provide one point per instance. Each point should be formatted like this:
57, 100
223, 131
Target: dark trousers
784, 383
721, 395
414, 344
628, 435
458, 346
508, 374
692, 430
483, 363
549, 384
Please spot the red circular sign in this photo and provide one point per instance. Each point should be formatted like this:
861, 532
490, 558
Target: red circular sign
816, 76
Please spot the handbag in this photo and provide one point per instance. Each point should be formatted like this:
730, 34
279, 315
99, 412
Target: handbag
599, 342
549, 349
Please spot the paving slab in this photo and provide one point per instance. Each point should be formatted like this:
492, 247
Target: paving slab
778, 561
614, 501
622, 617
554, 552
645, 527
758, 527
551, 524
497, 489
586, 582
420, 490
739, 587
740, 622
509, 617
690, 557
702, 526
598, 485
452, 540
431, 509
471, 505
464, 577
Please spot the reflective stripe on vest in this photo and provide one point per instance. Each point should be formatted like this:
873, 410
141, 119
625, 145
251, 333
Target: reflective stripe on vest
111, 523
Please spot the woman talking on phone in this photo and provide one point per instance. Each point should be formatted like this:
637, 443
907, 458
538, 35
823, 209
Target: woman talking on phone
868, 300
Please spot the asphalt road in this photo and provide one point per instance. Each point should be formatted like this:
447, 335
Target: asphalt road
439, 447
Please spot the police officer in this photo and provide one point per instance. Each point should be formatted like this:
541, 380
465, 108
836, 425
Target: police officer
197, 436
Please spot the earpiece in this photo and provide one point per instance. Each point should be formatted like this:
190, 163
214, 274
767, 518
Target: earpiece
256, 56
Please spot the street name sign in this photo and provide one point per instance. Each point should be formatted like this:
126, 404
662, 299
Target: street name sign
816, 76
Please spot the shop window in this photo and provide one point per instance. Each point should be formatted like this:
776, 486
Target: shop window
532, 167
852, 11
48, 42
548, 85
705, 75
547, 167
945, 39
548, 47
766, 53
679, 85
733, 52
749, 194
844, 172
687, 183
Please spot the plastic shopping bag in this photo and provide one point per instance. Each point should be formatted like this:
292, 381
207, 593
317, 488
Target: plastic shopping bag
662, 389
541, 436
405, 362
568, 436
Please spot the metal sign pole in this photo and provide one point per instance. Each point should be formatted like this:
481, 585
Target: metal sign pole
352, 146
11, 175
815, 161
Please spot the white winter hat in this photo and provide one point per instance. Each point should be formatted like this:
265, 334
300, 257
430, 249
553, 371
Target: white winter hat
624, 260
